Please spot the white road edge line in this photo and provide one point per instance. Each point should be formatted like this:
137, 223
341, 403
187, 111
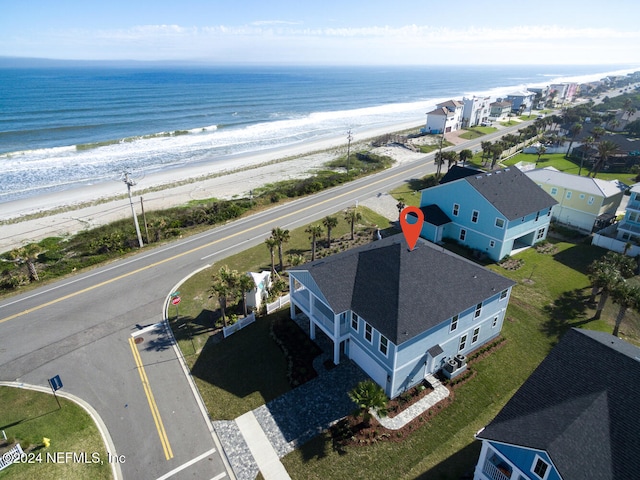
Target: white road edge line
186, 465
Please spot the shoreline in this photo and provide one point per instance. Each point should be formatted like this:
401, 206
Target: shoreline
69, 211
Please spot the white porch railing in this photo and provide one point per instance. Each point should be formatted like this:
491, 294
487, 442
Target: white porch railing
491, 471
11, 456
279, 303
239, 325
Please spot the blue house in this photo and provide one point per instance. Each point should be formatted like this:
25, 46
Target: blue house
493, 212
576, 417
400, 314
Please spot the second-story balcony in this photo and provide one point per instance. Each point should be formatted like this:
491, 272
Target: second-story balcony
630, 227
633, 205
496, 469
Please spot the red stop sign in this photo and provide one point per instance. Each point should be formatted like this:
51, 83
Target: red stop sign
175, 300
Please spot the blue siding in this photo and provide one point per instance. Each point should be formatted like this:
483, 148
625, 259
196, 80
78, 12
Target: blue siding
481, 231
523, 457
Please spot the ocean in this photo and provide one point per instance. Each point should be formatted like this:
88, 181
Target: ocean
62, 127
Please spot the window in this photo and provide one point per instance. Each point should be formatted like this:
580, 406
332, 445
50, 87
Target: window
504, 293
549, 213
474, 216
554, 191
463, 234
384, 345
540, 468
478, 310
354, 321
633, 217
540, 234
590, 201
492, 243
537, 216
499, 222
456, 209
463, 343
454, 323
494, 324
568, 195
582, 196
476, 334
368, 332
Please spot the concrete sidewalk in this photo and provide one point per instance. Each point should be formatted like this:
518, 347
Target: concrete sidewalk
261, 449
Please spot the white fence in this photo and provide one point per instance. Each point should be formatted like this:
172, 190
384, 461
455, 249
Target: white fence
11, 456
279, 303
239, 325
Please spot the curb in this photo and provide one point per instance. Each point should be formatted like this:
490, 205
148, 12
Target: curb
116, 470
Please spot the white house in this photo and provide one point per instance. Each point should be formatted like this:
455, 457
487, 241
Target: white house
446, 117
475, 111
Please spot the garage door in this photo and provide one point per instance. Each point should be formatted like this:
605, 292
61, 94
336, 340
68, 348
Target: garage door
366, 363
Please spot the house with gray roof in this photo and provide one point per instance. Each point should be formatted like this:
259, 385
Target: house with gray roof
576, 417
584, 203
400, 314
491, 212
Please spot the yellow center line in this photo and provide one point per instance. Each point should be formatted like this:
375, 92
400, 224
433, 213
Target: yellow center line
168, 453
174, 257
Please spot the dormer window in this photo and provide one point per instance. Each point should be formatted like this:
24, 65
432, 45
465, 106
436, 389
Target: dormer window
540, 468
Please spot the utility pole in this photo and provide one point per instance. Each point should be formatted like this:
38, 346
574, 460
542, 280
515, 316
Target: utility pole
349, 138
129, 183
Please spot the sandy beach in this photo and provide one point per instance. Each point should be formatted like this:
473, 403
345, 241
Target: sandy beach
67, 212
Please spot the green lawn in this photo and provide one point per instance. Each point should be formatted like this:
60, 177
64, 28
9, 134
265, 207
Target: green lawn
28, 416
547, 300
476, 132
558, 161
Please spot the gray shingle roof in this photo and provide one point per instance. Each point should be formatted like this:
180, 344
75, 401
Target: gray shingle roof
511, 192
582, 406
402, 293
434, 215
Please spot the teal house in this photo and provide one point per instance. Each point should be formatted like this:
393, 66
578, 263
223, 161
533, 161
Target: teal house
491, 212
400, 314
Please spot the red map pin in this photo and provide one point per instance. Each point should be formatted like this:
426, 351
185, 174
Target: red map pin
411, 230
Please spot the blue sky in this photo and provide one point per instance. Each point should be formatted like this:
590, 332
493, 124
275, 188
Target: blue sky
325, 31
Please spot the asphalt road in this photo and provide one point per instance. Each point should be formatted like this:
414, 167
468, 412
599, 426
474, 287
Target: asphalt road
81, 329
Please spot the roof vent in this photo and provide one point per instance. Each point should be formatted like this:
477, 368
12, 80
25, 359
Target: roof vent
506, 169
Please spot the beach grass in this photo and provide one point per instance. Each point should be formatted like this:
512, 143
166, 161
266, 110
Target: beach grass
27, 417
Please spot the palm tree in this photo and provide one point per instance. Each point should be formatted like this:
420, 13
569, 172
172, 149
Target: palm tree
329, 223
271, 244
465, 155
486, 150
608, 280
225, 286
606, 148
368, 395
588, 143
496, 151
314, 231
27, 254
597, 133
541, 151
281, 236
245, 283
626, 296
352, 215
575, 130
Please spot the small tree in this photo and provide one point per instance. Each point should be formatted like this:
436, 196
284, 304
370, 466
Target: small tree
368, 395
626, 296
352, 215
541, 151
314, 232
329, 223
245, 283
281, 236
27, 254
465, 155
225, 286
271, 244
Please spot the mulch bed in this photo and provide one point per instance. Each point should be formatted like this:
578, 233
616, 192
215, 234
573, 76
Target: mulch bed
299, 349
351, 431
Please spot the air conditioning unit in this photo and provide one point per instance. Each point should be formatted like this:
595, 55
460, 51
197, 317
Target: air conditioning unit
460, 360
451, 365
